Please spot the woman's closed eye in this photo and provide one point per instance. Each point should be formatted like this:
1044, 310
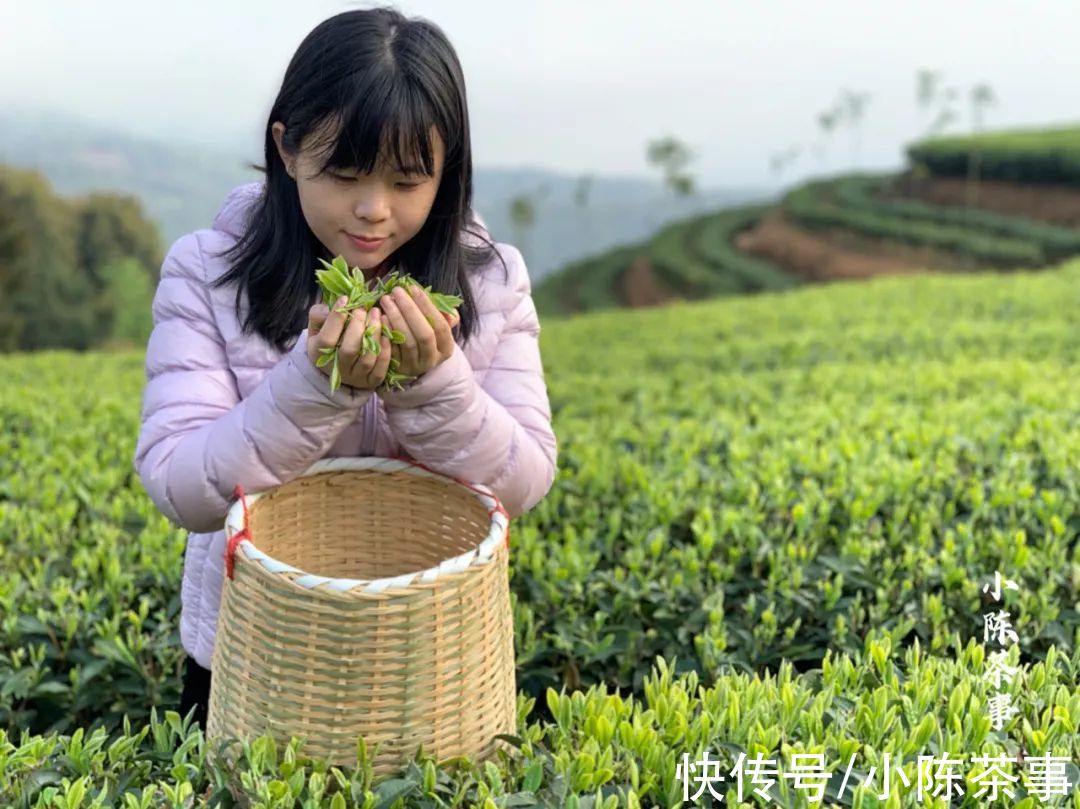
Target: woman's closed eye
352, 178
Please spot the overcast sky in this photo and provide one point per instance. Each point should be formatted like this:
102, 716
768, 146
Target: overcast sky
575, 86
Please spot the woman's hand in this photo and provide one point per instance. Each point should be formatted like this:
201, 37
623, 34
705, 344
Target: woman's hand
325, 327
428, 337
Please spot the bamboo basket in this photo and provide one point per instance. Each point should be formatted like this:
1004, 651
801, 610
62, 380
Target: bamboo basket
368, 597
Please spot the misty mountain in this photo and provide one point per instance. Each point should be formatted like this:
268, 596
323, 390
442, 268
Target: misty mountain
182, 186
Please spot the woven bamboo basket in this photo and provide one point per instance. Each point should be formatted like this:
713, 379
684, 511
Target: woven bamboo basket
368, 597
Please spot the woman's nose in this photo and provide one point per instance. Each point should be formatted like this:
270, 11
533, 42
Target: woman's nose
372, 203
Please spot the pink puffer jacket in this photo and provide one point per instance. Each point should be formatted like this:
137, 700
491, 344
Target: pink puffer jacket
221, 408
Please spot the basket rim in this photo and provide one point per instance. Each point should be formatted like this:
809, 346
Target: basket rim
238, 538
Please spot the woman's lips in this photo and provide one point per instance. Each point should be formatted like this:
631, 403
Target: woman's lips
366, 245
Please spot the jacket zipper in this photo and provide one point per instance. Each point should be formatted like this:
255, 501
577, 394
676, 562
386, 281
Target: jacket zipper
371, 423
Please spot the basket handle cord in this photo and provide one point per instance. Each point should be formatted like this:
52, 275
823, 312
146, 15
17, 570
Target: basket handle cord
243, 533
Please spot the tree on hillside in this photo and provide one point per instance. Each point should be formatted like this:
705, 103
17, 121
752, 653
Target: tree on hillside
13, 245
853, 106
927, 87
131, 293
112, 229
944, 118
522, 218
827, 122
582, 190
935, 100
780, 161
57, 292
981, 96
54, 303
671, 156
523, 209
581, 200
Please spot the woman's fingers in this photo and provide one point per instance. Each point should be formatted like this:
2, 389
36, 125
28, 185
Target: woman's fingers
332, 324
440, 326
354, 329
428, 335
352, 345
408, 352
316, 318
422, 324
382, 363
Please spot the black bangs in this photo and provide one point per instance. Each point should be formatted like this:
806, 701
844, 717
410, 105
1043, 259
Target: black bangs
384, 127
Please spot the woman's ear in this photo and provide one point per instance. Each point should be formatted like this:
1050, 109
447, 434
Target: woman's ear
278, 132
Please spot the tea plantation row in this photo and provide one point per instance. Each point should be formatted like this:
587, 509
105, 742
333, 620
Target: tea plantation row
1018, 156
693, 259
801, 477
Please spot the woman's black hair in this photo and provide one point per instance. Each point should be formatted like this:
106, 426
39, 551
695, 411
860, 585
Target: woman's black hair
375, 81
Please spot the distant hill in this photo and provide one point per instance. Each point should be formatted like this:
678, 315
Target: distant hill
182, 186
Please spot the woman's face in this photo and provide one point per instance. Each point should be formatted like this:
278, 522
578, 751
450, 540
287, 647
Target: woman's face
341, 206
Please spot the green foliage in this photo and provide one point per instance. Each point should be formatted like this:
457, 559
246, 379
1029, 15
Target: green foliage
715, 245
683, 269
697, 257
781, 495
13, 244
130, 292
53, 302
889, 443
606, 751
112, 228
57, 264
89, 596
338, 280
1021, 156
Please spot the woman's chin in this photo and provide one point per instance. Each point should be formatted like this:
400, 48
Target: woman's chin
368, 264
371, 265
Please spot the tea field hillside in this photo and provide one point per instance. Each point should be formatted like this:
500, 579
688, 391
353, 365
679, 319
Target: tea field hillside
963, 204
772, 531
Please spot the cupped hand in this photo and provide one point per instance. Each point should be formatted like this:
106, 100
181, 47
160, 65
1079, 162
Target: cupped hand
429, 340
358, 369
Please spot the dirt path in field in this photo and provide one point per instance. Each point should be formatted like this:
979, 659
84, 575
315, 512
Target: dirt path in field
1048, 203
831, 256
638, 286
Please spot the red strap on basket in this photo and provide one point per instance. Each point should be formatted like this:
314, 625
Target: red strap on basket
499, 509
234, 540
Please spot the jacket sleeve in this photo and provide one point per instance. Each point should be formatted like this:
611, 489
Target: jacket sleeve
198, 439
497, 432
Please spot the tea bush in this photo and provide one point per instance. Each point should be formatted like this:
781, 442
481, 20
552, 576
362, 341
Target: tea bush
1019, 156
814, 205
746, 486
836, 730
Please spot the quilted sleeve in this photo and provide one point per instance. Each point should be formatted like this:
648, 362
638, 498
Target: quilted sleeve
197, 438
498, 433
